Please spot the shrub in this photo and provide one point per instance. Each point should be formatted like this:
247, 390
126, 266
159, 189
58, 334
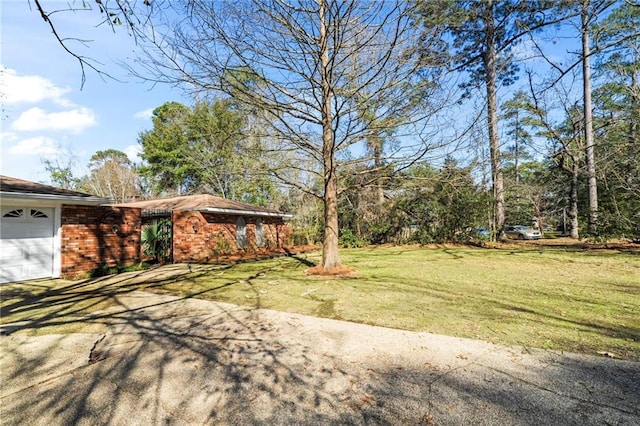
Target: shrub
348, 238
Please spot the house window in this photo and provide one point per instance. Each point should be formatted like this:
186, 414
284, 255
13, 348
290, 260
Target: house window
259, 233
241, 233
18, 213
37, 214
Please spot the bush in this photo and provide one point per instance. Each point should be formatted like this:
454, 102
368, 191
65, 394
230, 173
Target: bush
348, 238
104, 270
156, 240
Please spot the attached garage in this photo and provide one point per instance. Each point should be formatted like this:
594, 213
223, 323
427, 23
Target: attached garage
27, 250
31, 227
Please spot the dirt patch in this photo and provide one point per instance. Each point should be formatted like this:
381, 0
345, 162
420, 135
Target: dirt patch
620, 245
340, 271
569, 244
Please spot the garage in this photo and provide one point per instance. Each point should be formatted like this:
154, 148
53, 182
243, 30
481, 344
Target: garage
31, 227
27, 242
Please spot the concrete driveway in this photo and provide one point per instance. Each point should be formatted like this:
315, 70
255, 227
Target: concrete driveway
168, 360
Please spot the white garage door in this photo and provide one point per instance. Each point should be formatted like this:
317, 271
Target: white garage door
26, 243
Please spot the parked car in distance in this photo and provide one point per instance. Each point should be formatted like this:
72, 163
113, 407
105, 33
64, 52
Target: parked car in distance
481, 233
521, 232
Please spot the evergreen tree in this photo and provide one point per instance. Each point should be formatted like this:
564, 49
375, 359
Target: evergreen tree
482, 37
204, 149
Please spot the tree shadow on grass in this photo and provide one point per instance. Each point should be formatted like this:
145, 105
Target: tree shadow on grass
166, 360
565, 245
60, 303
53, 303
303, 260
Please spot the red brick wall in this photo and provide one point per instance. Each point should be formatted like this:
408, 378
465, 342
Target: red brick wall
203, 237
93, 236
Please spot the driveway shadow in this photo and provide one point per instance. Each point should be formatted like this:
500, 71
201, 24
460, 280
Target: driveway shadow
151, 358
170, 361
159, 359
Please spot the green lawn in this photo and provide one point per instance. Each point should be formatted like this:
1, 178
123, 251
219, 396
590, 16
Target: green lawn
542, 297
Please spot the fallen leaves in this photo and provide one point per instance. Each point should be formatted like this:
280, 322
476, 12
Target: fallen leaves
608, 354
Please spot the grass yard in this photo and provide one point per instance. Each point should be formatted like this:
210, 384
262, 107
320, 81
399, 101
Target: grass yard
535, 296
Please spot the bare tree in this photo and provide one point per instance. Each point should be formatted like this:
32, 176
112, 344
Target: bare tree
60, 167
565, 133
125, 14
590, 13
482, 38
112, 175
586, 18
310, 67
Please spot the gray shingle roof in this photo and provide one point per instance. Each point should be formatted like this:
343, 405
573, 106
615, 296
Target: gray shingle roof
13, 187
203, 202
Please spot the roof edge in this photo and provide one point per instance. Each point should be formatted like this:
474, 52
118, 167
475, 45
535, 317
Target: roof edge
52, 197
242, 212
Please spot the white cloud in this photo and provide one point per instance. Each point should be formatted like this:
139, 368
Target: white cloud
6, 137
40, 145
133, 152
75, 120
145, 114
16, 89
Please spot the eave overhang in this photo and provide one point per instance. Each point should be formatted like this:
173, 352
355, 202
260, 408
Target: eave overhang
55, 198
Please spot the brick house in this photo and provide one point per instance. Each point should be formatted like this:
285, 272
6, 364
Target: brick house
205, 228
48, 232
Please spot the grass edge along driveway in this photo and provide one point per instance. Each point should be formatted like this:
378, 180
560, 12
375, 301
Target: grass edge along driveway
537, 297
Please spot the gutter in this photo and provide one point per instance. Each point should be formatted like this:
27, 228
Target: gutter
243, 212
52, 197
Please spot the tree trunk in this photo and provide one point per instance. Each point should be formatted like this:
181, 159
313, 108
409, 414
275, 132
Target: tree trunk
377, 152
573, 200
633, 124
489, 58
330, 258
588, 122
516, 153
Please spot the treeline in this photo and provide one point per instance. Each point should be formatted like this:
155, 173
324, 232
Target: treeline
395, 121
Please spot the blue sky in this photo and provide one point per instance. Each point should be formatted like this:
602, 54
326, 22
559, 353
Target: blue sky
45, 114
